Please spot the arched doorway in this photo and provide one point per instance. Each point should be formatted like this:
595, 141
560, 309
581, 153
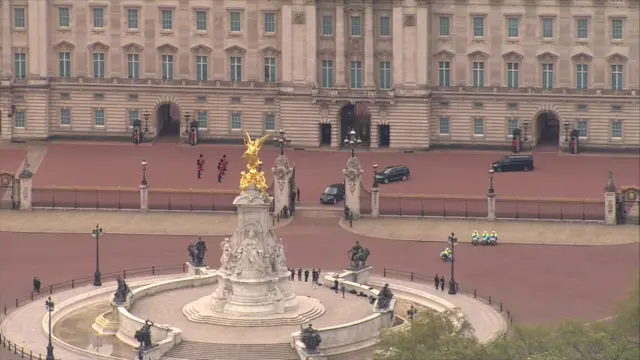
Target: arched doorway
356, 117
547, 129
168, 120
325, 134
384, 135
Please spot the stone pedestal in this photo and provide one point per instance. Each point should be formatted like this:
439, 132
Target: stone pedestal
196, 270
25, 193
360, 276
491, 206
144, 197
610, 215
282, 173
353, 179
375, 202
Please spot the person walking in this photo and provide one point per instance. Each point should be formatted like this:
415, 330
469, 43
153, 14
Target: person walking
200, 164
36, 284
298, 193
442, 283
436, 281
343, 289
300, 274
336, 286
306, 276
293, 274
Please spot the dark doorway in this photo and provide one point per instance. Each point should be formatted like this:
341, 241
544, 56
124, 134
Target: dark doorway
9, 192
168, 120
325, 134
548, 129
384, 135
355, 118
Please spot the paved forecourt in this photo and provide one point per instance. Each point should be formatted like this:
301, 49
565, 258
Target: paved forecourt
435, 173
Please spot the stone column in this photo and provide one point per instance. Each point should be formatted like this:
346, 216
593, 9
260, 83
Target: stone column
311, 30
339, 37
398, 43
353, 183
369, 56
287, 23
282, 187
144, 197
422, 58
491, 206
610, 208
25, 187
375, 202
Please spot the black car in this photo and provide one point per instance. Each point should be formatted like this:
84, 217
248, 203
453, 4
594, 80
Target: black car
514, 163
393, 173
332, 194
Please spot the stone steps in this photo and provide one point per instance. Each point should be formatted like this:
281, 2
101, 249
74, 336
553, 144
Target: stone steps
313, 312
191, 350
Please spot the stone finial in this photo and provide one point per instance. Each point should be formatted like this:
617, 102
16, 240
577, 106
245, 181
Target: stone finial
26, 170
611, 187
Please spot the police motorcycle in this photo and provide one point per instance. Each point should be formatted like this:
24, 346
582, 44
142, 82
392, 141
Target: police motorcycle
475, 238
493, 238
446, 255
485, 238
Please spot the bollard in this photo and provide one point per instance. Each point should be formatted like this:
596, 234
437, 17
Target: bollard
39, 356
489, 299
5, 309
50, 289
184, 267
384, 272
30, 355
17, 302
412, 276
22, 352
124, 274
508, 314
73, 284
475, 295
153, 270
15, 348
32, 296
511, 321
500, 306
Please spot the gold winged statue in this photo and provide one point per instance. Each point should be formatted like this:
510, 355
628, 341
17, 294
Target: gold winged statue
253, 175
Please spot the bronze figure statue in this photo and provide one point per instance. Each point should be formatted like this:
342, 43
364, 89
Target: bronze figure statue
144, 335
311, 338
196, 252
358, 256
384, 297
120, 296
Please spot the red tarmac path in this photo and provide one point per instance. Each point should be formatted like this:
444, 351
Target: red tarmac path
436, 173
10, 159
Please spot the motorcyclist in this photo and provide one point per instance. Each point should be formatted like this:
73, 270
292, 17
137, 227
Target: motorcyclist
475, 235
485, 235
447, 251
494, 235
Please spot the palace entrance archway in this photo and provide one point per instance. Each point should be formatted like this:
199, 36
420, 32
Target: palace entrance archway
356, 117
547, 128
325, 134
168, 120
384, 135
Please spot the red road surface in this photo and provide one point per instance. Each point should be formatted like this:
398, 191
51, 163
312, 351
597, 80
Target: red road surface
539, 284
10, 160
436, 173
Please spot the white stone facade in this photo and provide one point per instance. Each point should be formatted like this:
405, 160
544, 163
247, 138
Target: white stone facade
437, 72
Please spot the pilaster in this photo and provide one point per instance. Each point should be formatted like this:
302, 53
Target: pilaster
5, 39
491, 206
340, 43
375, 202
353, 179
287, 23
398, 44
282, 187
369, 56
38, 37
144, 197
422, 58
311, 32
610, 214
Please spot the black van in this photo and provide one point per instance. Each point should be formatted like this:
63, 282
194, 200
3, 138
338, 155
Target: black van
514, 163
393, 173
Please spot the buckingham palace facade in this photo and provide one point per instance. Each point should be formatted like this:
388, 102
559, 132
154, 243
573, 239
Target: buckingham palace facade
407, 74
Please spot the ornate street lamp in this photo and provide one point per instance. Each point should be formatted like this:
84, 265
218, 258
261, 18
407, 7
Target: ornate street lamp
186, 122
525, 125
96, 233
146, 121
566, 130
491, 189
352, 141
282, 141
50, 306
144, 172
375, 175
452, 240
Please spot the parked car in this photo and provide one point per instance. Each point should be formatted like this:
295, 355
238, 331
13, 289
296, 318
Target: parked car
332, 194
514, 163
393, 173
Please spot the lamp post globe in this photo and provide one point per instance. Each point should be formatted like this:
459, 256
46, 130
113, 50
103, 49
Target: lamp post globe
525, 124
50, 306
452, 240
566, 130
144, 172
491, 189
96, 233
146, 121
375, 174
282, 141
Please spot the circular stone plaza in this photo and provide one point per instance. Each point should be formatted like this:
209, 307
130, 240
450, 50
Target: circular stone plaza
142, 287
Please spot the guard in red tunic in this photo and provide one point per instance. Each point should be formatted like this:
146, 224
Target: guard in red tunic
200, 164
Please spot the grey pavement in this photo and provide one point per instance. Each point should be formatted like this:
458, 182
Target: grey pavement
509, 231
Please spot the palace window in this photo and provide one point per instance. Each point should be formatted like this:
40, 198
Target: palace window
512, 124
65, 117
444, 73
270, 69
385, 75
201, 20
327, 73
513, 27
478, 26
547, 28
20, 119
478, 127
63, 17
616, 77
98, 65
235, 73
269, 23
65, 64
167, 19
134, 116
19, 18
201, 68
478, 74
582, 128
236, 121
547, 76
132, 19
270, 122
167, 67
356, 74
445, 26
133, 66
582, 29
444, 128
327, 25
98, 18
356, 26
616, 29
582, 76
234, 21
512, 75
98, 117
385, 26
616, 129
20, 65
203, 120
